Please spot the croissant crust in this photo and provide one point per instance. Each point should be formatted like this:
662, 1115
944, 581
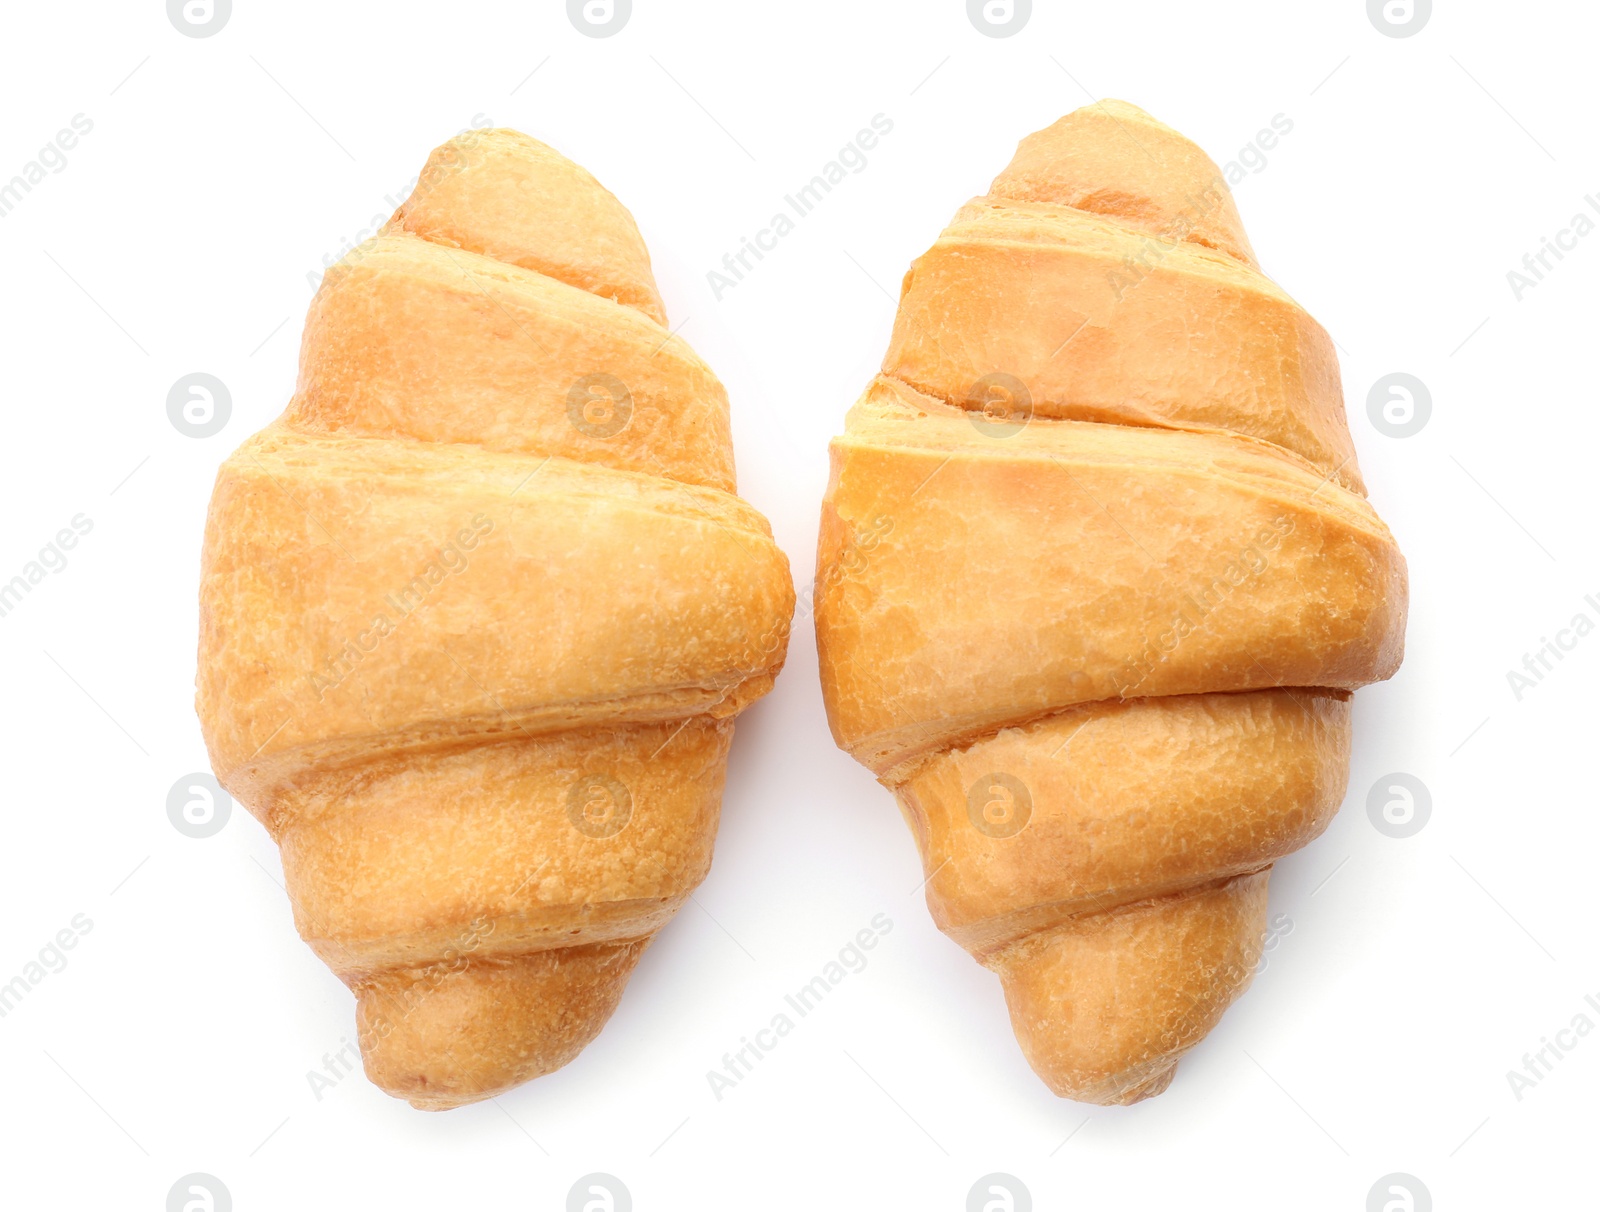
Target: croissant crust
477, 612
1095, 580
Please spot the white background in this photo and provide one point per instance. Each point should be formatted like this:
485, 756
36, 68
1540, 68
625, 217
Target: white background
179, 238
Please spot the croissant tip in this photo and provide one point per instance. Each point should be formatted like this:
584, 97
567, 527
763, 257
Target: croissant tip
447, 1102
455, 1035
1120, 1090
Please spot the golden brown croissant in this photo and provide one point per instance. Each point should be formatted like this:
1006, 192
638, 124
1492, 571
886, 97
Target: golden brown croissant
477, 613
1096, 577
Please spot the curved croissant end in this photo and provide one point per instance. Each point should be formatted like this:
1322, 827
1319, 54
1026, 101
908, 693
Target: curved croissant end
1096, 577
477, 613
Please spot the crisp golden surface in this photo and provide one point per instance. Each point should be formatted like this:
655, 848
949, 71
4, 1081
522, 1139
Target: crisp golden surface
1112, 158
476, 614
509, 197
1100, 640
456, 347
1186, 338
1130, 799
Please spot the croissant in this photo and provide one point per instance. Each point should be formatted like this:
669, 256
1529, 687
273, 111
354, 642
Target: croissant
477, 613
1096, 577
